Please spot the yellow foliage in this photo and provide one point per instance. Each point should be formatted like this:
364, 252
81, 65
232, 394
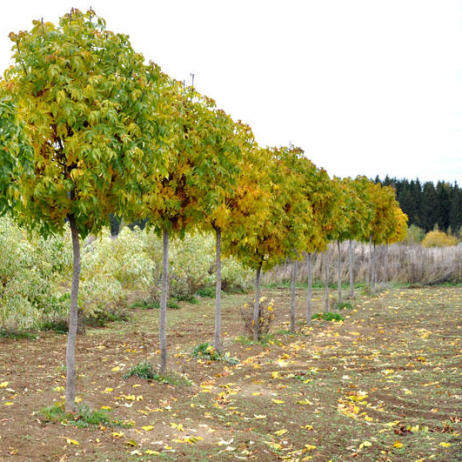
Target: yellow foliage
438, 239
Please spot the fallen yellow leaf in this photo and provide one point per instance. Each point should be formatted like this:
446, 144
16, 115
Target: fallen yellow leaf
74, 442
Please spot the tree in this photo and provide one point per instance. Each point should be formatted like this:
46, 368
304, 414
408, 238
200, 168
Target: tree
388, 224
89, 106
293, 196
359, 219
258, 242
322, 197
205, 162
230, 179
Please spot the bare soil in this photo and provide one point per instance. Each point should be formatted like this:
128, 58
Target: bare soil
385, 384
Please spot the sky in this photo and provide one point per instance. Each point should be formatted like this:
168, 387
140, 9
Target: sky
365, 87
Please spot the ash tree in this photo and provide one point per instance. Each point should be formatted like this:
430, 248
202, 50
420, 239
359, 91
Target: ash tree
388, 224
205, 160
91, 112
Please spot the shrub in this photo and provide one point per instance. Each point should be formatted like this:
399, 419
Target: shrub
208, 351
266, 317
83, 418
438, 239
143, 370
328, 316
343, 306
415, 235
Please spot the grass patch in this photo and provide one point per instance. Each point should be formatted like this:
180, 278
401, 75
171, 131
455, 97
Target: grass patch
102, 318
208, 351
145, 370
17, 334
328, 316
151, 305
187, 298
209, 292
343, 306
83, 418
56, 325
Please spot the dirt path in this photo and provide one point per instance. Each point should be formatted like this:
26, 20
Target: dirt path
382, 385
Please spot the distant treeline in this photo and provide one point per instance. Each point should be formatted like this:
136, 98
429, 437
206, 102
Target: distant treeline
428, 205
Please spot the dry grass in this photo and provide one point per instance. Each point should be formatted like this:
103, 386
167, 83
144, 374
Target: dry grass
399, 263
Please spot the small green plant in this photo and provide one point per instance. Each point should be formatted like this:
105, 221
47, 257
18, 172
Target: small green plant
83, 418
55, 325
344, 306
145, 370
328, 316
103, 317
150, 304
187, 298
17, 334
207, 351
206, 292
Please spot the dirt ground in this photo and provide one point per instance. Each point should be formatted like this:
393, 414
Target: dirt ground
385, 384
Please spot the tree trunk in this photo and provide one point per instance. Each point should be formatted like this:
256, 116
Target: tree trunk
308, 296
369, 267
385, 265
73, 319
292, 297
352, 282
326, 276
163, 307
81, 329
339, 273
256, 307
374, 269
217, 343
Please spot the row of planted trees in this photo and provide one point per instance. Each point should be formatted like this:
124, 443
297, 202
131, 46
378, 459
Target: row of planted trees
88, 129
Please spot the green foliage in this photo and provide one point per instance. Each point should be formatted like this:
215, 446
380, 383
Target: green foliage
415, 235
17, 334
28, 268
438, 239
343, 306
56, 325
35, 272
95, 143
209, 292
328, 316
208, 352
83, 418
143, 370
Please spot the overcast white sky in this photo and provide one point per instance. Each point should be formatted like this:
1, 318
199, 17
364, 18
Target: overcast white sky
364, 87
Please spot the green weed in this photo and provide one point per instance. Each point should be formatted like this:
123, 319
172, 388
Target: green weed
328, 316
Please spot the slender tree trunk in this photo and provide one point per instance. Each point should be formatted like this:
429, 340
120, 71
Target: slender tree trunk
352, 282
217, 343
73, 319
387, 271
369, 267
292, 297
339, 273
374, 268
309, 293
163, 307
256, 308
326, 277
